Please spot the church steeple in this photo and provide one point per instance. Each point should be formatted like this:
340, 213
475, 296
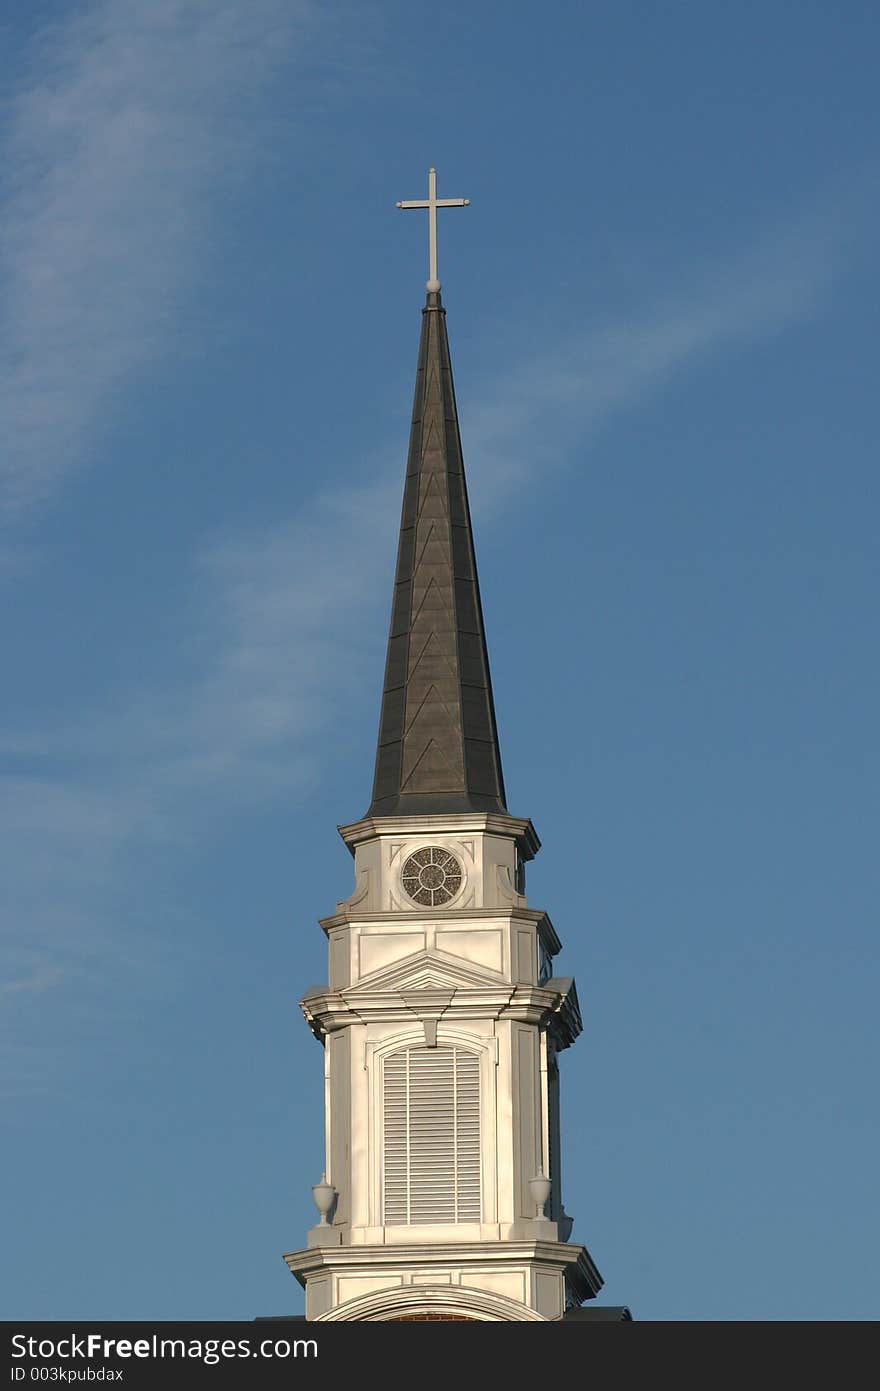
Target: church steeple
438, 744
442, 1018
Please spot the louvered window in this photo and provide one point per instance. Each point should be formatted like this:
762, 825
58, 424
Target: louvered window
432, 1136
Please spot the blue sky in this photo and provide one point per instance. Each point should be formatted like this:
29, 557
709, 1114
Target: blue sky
663, 310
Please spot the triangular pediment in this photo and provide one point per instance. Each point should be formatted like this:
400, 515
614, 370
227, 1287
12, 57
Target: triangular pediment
427, 970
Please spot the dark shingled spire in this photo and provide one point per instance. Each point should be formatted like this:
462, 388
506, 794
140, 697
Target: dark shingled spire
438, 745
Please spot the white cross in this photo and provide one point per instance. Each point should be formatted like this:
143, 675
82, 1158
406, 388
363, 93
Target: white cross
432, 203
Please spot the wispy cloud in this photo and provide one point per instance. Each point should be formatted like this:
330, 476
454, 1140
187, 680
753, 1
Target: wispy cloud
272, 644
276, 621
544, 406
127, 118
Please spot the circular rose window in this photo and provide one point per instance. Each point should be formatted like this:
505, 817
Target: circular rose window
431, 876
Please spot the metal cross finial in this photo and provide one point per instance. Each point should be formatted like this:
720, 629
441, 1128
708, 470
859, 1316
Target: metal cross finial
432, 203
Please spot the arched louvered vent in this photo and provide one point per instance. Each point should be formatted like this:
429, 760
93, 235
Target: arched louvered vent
432, 1136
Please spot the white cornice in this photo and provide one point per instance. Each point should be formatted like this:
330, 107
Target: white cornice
556, 1009
576, 1261
481, 917
461, 823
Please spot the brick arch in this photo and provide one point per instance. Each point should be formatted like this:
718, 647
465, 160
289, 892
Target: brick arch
432, 1318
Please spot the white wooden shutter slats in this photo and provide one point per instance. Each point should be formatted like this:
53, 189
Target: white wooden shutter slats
432, 1136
